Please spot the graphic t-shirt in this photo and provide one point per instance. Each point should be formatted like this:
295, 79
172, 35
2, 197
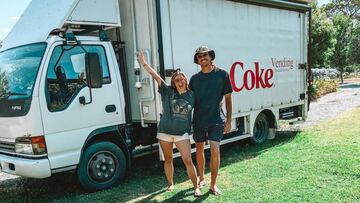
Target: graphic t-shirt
209, 89
177, 111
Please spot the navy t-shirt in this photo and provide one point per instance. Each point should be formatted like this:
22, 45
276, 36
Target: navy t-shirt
209, 89
177, 110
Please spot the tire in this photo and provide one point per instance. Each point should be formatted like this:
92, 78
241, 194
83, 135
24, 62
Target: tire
102, 166
261, 129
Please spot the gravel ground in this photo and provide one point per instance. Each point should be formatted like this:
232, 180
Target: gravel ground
5, 176
327, 107
331, 105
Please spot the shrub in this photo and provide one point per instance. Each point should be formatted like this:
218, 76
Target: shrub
352, 68
325, 73
355, 74
322, 87
353, 71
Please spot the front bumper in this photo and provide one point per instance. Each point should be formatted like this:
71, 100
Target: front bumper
39, 168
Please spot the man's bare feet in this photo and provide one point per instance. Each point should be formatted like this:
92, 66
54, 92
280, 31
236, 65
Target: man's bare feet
215, 191
170, 188
197, 192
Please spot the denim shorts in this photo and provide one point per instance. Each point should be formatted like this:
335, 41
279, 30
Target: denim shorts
212, 133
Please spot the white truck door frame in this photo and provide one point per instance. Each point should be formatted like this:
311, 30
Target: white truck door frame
66, 130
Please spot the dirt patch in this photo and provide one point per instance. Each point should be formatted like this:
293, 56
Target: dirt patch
352, 80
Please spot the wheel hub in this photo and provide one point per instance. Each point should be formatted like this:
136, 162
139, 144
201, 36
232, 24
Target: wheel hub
102, 167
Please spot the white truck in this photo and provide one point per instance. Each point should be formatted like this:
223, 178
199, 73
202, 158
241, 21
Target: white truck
74, 98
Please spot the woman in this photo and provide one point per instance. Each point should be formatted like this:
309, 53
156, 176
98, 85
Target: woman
175, 122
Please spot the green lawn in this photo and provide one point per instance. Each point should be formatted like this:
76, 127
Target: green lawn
321, 164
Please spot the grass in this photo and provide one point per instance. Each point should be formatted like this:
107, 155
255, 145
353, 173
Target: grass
321, 164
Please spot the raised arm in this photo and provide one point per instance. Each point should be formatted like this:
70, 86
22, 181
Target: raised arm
149, 69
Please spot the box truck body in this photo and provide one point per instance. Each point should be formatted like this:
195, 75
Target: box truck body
73, 96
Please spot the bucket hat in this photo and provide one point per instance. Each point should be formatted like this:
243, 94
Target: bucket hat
204, 49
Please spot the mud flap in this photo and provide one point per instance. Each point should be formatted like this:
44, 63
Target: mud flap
272, 132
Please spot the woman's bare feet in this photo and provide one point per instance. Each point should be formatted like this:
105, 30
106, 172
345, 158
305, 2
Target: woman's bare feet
202, 183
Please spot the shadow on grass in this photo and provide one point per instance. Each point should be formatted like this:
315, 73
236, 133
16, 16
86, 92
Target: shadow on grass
145, 181
180, 196
28, 190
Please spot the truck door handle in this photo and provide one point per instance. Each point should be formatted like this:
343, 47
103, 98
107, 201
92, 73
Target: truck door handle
110, 108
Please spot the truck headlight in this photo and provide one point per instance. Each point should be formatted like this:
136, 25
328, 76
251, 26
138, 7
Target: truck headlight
23, 148
30, 145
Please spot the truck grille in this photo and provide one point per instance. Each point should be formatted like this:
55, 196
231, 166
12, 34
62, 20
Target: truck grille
7, 146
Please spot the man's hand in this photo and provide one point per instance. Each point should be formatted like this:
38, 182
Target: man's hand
228, 105
227, 127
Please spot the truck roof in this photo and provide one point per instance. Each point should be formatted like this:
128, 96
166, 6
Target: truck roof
303, 1
286, 4
42, 17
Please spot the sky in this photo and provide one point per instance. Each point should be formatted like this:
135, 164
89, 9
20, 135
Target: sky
11, 10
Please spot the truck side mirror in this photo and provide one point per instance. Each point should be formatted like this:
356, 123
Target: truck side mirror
94, 74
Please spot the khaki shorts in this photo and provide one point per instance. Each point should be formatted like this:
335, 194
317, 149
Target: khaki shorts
172, 138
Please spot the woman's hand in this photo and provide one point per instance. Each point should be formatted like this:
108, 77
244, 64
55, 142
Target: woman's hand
141, 58
148, 68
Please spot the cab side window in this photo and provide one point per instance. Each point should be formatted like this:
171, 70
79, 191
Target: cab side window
66, 74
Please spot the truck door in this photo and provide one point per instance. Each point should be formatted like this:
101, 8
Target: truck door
67, 123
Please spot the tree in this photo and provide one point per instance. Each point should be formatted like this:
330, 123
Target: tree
322, 39
343, 26
354, 45
349, 8
345, 15
3, 84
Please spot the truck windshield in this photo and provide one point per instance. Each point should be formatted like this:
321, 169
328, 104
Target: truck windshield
18, 69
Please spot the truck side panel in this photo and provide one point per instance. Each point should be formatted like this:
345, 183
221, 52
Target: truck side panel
245, 38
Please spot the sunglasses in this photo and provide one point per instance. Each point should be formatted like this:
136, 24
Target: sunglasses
202, 55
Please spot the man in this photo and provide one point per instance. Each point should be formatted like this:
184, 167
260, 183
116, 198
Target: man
210, 85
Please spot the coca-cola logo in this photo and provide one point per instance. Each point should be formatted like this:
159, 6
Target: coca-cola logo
260, 78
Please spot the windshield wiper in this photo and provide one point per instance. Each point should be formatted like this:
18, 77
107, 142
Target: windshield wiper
9, 94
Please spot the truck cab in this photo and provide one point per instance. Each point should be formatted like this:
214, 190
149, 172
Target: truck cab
62, 96
50, 106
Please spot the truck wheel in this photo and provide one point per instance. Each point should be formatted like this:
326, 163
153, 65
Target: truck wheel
102, 166
261, 129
